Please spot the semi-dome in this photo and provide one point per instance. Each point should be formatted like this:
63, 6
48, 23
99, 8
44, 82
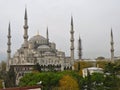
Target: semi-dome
38, 39
43, 47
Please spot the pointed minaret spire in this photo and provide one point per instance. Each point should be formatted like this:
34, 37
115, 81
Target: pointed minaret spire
72, 41
47, 36
25, 29
72, 23
25, 17
111, 35
79, 48
9, 47
112, 47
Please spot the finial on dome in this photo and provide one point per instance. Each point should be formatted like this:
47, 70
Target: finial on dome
60, 49
37, 32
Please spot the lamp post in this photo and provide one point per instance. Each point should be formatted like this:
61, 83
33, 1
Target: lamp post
3, 84
40, 83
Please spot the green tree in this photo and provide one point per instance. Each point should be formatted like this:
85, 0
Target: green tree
112, 81
93, 82
37, 67
89, 83
97, 80
49, 79
112, 69
10, 78
3, 73
3, 66
78, 66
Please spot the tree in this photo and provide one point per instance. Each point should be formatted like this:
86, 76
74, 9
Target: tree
1, 81
97, 80
78, 66
112, 81
112, 69
68, 83
89, 83
102, 63
82, 64
49, 79
3, 66
10, 79
37, 67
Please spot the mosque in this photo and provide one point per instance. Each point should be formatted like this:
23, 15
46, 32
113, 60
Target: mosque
39, 49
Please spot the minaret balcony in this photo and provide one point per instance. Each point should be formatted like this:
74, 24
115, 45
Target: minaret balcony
112, 43
8, 51
71, 31
9, 43
25, 26
72, 48
71, 40
80, 49
25, 36
112, 50
9, 36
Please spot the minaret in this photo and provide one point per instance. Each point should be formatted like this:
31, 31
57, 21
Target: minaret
9, 48
47, 36
25, 30
112, 47
79, 49
72, 41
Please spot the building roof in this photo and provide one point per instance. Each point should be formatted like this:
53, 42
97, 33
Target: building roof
93, 68
24, 88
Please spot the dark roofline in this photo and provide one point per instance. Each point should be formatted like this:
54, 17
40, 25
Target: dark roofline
23, 88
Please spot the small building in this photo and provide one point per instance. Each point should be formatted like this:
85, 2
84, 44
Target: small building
91, 70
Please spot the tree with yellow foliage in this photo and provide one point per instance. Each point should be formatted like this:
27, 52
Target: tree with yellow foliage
68, 83
82, 64
1, 84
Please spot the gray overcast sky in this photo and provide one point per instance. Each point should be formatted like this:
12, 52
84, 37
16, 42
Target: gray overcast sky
93, 20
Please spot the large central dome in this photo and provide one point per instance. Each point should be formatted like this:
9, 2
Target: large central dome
38, 39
